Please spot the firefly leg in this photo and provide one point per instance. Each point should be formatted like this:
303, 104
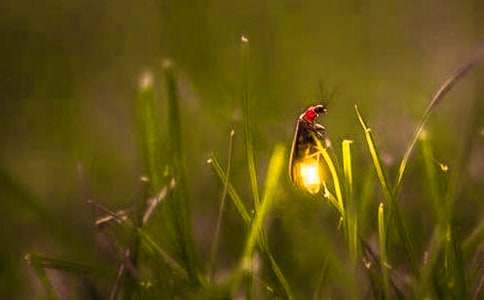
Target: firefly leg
320, 129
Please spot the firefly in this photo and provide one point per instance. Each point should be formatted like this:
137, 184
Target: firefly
304, 166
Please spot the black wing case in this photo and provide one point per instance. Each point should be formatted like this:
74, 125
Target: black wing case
302, 138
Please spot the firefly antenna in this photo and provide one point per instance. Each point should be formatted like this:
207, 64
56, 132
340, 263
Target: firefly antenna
327, 94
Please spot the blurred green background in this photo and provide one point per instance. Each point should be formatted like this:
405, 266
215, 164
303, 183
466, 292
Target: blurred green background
69, 78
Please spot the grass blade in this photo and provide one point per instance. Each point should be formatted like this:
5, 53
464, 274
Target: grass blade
334, 176
376, 158
256, 232
348, 172
215, 242
154, 248
249, 146
365, 203
273, 174
238, 203
454, 266
443, 90
431, 258
276, 269
383, 251
432, 180
179, 206
149, 128
394, 211
147, 241
58, 264
351, 219
475, 239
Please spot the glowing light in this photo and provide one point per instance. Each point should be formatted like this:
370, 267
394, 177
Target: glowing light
309, 172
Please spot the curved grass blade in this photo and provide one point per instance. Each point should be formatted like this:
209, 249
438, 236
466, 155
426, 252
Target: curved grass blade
334, 175
443, 90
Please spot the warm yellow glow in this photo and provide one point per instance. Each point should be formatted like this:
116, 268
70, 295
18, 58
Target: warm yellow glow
309, 173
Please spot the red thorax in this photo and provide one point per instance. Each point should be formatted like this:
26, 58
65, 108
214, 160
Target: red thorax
310, 115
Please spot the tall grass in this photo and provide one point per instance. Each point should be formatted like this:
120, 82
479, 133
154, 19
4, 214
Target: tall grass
442, 273
249, 144
179, 206
394, 212
383, 251
218, 225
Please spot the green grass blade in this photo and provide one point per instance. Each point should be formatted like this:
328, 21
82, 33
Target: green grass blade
375, 157
333, 201
275, 267
238, 203
154, 249
393, 209
429, 267
383, 252
179, 206
443, 90
347, 169
365, 203
272, 178
59, 264
352, 217
213, 252
146, 241
432, 179
249, 146
149, 128
334, 176
454, 268
475, 239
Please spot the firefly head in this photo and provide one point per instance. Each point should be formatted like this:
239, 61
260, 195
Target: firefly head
313, 112
320, 109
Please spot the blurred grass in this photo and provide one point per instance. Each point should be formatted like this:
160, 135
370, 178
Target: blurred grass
179, 205
384, 264
394, 217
